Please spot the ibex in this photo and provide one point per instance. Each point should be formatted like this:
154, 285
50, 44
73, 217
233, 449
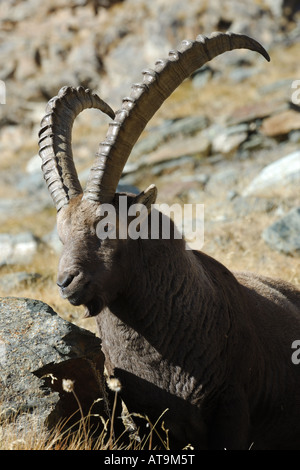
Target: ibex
179, 330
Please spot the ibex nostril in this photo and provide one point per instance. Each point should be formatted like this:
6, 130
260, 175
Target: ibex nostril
64, 280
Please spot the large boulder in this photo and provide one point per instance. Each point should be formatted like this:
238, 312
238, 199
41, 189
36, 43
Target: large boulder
48, 366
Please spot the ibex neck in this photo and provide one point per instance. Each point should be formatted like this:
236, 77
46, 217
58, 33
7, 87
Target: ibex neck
164, 283
173, 310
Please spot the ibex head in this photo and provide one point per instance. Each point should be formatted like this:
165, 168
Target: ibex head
92, 271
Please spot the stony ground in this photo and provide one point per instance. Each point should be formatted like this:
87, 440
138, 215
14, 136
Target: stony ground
208, 144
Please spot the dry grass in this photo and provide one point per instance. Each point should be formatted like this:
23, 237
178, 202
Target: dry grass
81, 436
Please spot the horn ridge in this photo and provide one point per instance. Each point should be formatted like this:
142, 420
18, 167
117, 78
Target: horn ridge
55, 147
147, 97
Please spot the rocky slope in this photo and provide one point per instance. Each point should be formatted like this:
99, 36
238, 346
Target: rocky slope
210, 143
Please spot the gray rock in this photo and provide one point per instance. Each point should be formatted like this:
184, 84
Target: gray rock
280, 174
223, 179
171, 165
284, 234
284, 84
127, 188
294, 137
33, 185
281, 124
34, 164
14, 281
202, 77
17, 249
185, 126
18, 208
283, 7
196, 146
275, 6
241, 74
229, 144
228, 140
244, 206
168, 130
85, 63
38, 349
255, 142
52, 240
31, 182
256, 111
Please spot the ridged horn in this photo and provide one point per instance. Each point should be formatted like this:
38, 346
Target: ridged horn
55, 141
146, 98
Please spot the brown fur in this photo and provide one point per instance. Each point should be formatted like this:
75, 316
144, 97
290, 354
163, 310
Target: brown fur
181, 332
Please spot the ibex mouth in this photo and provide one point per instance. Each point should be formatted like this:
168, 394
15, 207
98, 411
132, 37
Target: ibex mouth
73, 293
75, 298
93, 307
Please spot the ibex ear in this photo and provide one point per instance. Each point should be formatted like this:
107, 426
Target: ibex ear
147, 197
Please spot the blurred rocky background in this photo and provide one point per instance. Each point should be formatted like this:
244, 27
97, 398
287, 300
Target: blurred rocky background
229, 137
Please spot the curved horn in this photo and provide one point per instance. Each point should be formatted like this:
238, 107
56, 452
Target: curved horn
146, 98
55, 141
